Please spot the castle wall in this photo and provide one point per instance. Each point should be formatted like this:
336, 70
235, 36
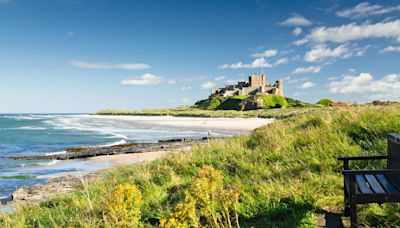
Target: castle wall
257, 85
257, 80
279, 86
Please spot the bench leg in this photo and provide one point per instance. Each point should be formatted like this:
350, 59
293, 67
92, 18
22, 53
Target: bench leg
353, 214
346, 203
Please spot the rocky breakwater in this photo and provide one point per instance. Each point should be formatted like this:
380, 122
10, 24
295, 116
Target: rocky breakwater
86, 152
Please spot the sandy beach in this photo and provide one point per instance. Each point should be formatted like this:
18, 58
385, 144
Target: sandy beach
240, 124
127, 159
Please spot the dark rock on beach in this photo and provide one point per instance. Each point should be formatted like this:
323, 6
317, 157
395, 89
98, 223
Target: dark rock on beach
86, 152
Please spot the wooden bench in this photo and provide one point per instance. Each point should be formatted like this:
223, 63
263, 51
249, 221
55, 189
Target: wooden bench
372, 186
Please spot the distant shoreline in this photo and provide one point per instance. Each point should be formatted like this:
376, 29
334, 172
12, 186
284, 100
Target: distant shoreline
206, 123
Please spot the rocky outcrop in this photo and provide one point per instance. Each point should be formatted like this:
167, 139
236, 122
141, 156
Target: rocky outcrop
55, 186
86, 152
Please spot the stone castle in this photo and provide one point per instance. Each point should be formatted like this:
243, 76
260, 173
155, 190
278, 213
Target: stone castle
257, 84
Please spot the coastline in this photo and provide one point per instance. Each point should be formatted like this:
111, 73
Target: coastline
68, 182
63, 183
238, 124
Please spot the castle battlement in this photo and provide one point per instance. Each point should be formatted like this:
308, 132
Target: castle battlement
257, 84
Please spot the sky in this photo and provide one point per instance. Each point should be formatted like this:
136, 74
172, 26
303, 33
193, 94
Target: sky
79, 56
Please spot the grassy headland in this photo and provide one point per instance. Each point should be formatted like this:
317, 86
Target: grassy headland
197, 112
281, 175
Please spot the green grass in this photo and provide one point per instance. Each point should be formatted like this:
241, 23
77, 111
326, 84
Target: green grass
242, 97
230, 104
287, 172
196, 112
274, 101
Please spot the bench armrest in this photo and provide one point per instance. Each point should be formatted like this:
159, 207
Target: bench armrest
366, 157
366, 172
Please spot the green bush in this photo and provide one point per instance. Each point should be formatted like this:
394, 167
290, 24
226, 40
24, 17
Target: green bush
211, 103
230, 104
296, 103
325, 102
275, 101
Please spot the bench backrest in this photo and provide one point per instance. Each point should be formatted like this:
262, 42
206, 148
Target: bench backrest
393, 161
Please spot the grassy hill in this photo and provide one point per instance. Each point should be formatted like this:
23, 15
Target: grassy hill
282, 175
248, 102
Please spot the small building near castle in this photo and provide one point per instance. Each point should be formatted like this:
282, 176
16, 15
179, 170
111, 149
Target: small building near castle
257, 84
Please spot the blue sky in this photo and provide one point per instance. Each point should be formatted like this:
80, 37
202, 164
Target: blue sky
86, 55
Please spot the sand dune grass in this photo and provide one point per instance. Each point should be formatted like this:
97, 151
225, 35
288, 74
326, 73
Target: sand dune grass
285, 173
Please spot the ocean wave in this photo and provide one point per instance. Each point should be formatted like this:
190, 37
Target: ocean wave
52, 162
55, 153
85, 124
33, 128
120, 142
26, 117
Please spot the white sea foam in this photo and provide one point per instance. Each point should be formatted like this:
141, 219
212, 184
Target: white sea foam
52, 162
26, 117
55, 153
85, 123
33, 128
120, 142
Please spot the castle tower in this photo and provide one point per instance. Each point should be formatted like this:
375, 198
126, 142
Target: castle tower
279, 86
257, 81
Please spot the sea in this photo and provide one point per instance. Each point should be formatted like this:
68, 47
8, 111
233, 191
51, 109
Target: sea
46, 134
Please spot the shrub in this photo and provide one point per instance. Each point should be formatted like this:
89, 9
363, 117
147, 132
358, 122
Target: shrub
211, 103
325, 102
124, 206
230, 104
275, 101
296, 103
208, 199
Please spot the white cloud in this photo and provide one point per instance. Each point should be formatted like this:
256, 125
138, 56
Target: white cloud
361, 51
386, 88
310, 69
68, 33
186, 100
365, 9
297, 31
391, 49
296, 20
321, 52
171, 81
301, 42
143, 80
265, 54
352, 32
281, 61
307, 85
208, 85
123, 66
219, 78
186, 88
257, 63
292, 81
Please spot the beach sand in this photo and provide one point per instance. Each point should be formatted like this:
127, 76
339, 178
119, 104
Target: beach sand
127, 159
241, 124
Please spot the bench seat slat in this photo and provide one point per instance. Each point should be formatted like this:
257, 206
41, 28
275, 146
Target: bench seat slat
362, 184
347, 185
374, 184
389, 187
